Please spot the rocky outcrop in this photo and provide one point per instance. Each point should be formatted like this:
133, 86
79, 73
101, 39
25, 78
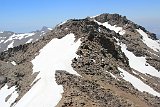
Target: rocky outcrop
84, 92
155, 62
92, 94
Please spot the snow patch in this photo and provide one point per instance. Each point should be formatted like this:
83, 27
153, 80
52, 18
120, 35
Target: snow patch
135, 73
29, 41
99, 30
19, 36
10, 45
62, 23
56, 55
137, 83
112, 75
4, 92
1, 41
28, 35
94, 16
13, 63
49, 28
139, 63
153, 44
2, 37
142, 78
114, 28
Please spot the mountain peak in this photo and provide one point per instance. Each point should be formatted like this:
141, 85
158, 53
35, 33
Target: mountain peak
44, 28
101, 61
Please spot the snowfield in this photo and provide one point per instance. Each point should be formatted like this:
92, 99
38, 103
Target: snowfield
56, 55
13, 39
137, 83
30, 40
139, 63
19, 36
10, 45
114, 28
149, 42
4, 92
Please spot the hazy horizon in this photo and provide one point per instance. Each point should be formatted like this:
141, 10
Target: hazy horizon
30, 15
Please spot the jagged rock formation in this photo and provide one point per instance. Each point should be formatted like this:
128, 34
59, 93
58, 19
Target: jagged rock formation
101, 57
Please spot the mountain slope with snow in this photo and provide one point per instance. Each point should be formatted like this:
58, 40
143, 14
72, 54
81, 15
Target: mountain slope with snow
101, 61
47, 86
10, 39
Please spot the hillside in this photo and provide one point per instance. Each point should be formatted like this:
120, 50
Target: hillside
101, 61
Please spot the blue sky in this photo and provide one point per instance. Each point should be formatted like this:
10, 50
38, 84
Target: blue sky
28, 15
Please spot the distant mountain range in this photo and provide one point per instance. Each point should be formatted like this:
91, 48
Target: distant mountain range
9, 39
101, 61
154, 29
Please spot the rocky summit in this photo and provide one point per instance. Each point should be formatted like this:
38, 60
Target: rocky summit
101, 61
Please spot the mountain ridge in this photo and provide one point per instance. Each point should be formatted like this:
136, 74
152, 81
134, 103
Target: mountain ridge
102, 64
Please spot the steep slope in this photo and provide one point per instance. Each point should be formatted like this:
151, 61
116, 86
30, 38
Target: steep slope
102, 61
10, 39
